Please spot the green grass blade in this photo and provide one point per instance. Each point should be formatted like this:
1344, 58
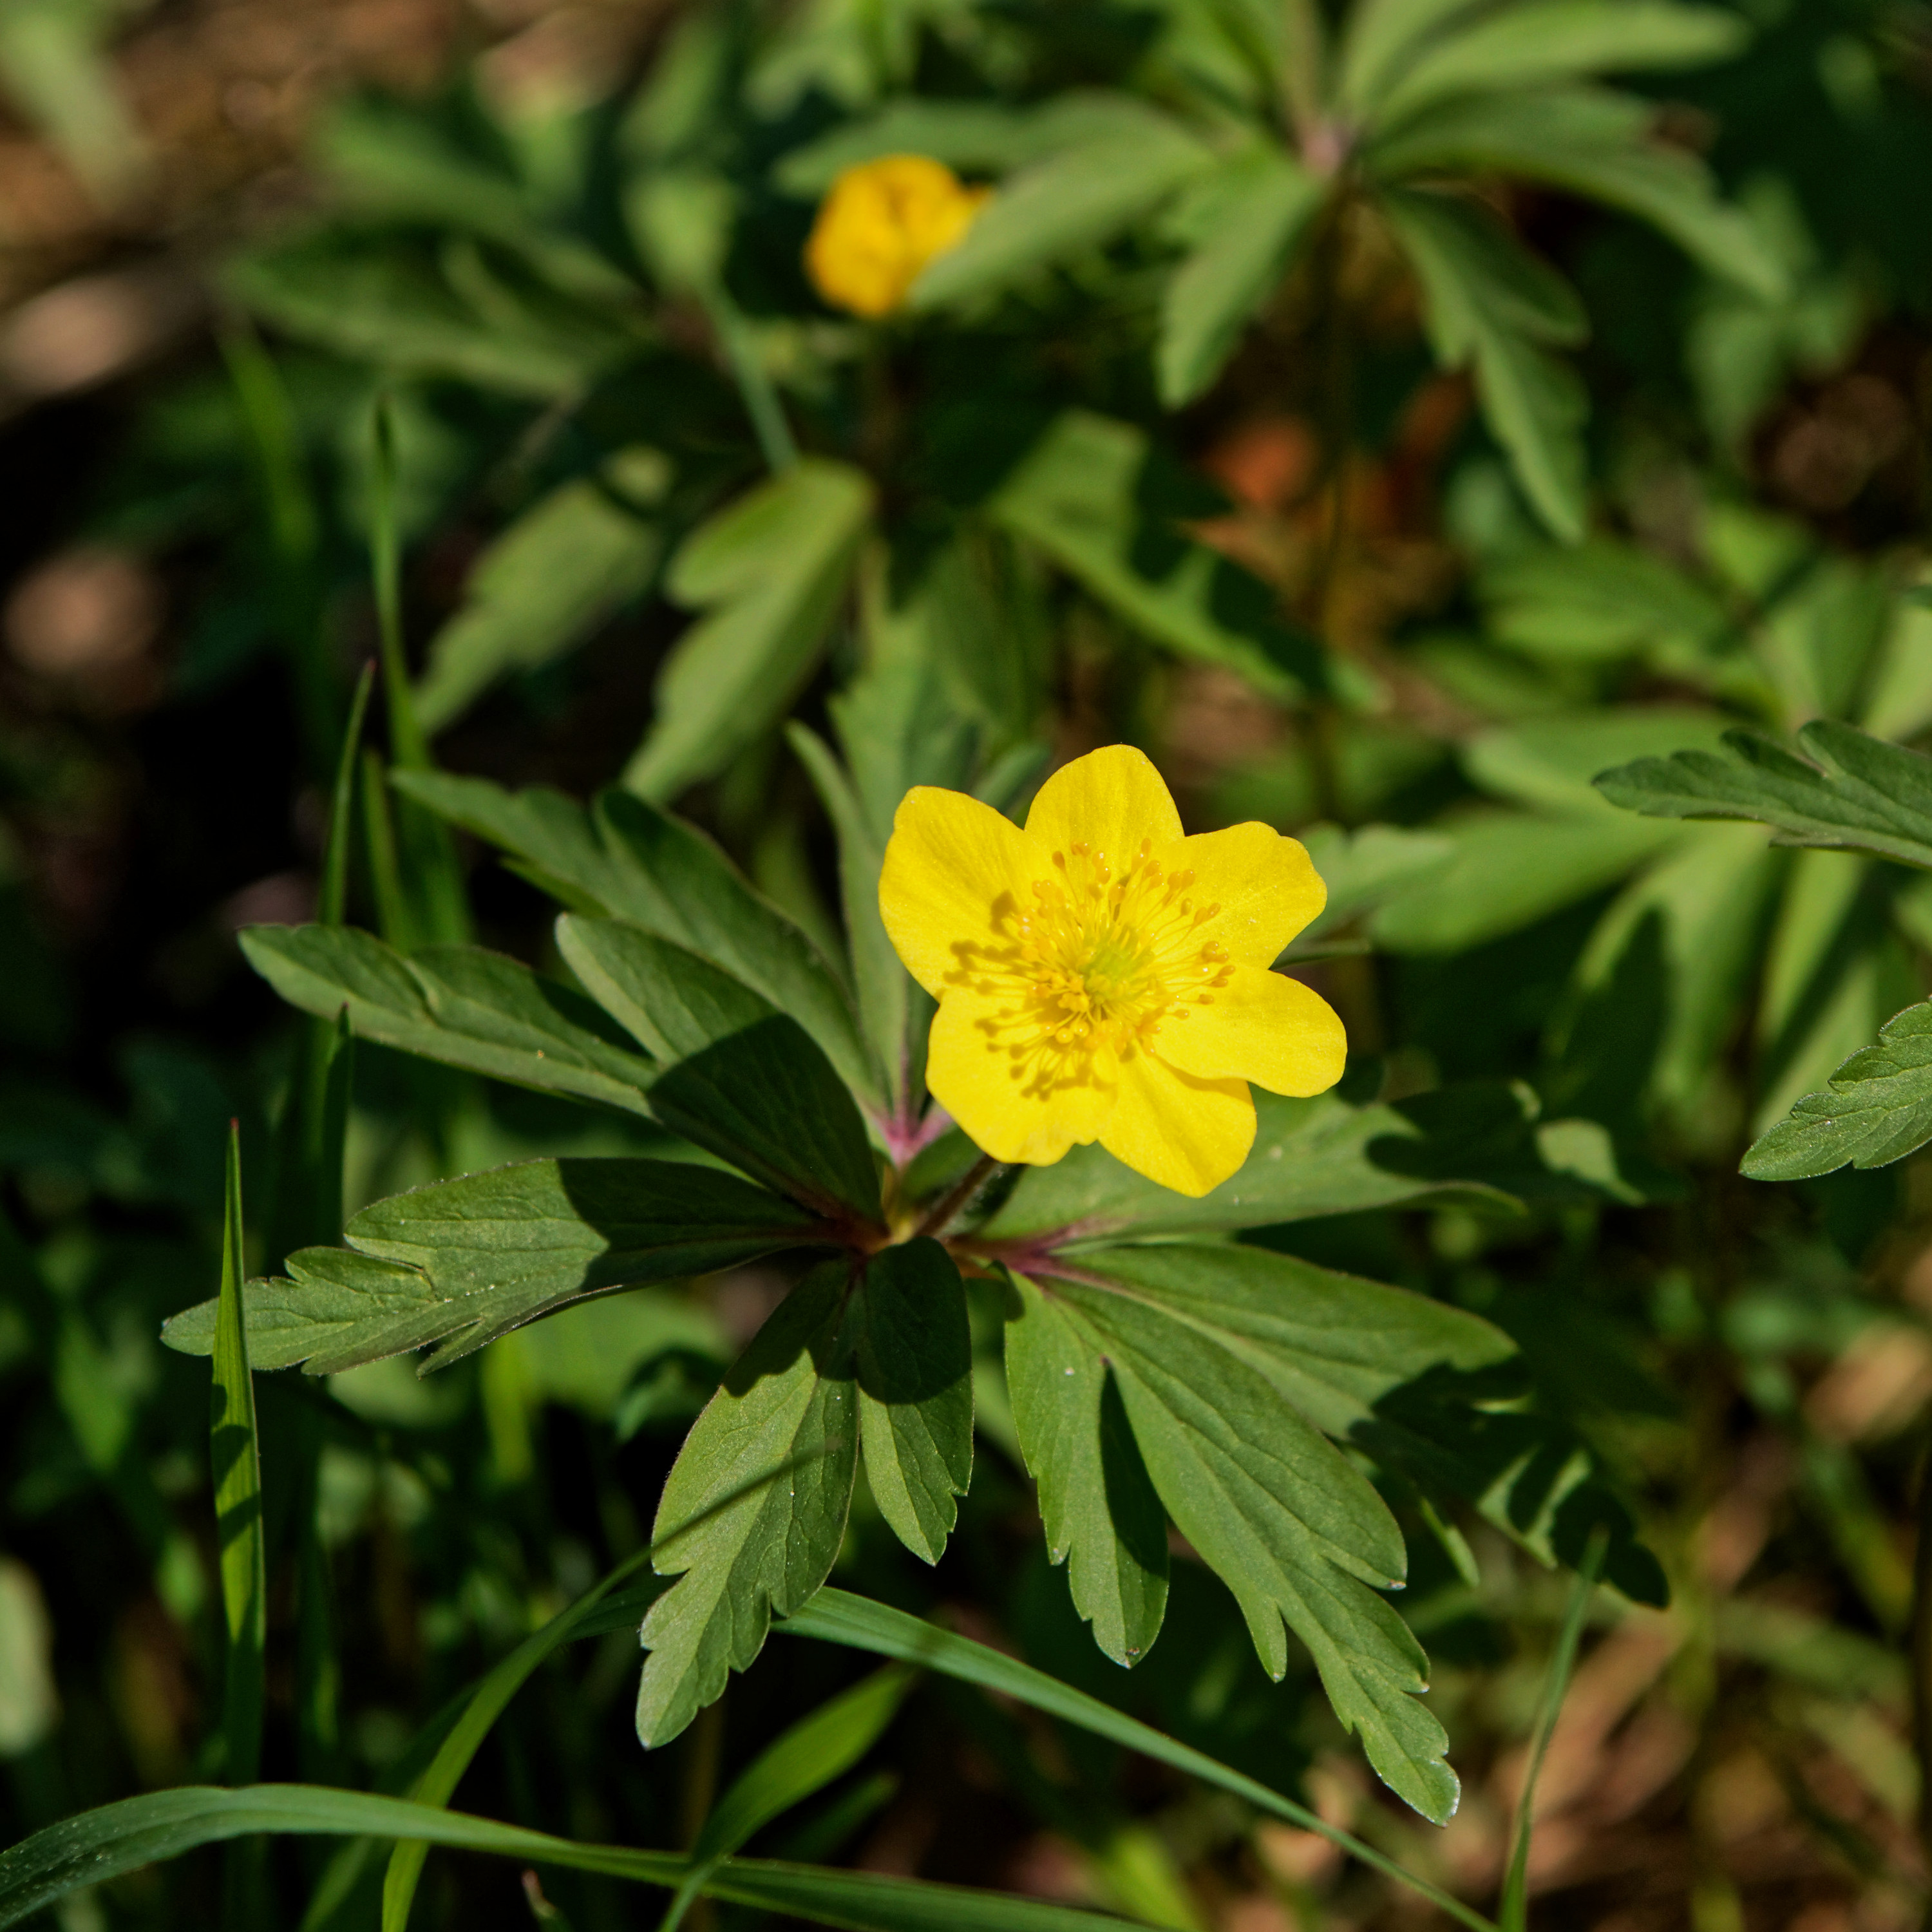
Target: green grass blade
241, 1539
395, 917
331, 899
1512, 1915
98, 1846
438, 1780
797, 1765
833, 1616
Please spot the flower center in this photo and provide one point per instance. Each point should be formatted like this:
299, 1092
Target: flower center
1102, 958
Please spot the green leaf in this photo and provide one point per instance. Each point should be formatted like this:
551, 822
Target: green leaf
1595, 143
1560, 39
768, 571
833, 1616
382, 305
1073, 201
547, 582
1877, 1109
1310, 1158
459, 1005
100, 1845
1383, 37
754, 1510
823, 1745
1489, 304
1097, 1503
237, 1500
1080, 496
1855, 793
972, 135
1252, 213
738, 1076
1273, 1506
437, 1783
56, 68
464, 1261
915, 1372
1597, 602
628, 859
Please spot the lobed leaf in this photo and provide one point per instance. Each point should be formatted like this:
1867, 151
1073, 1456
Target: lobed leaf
1877, 1109
1849, 791
461, 1262
626, 857
459, 1005
736, 1075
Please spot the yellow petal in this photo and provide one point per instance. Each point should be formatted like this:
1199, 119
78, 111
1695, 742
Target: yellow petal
1262, 1027
952, 867
1110, 800
1266, 885
980, 1069
1186, 1133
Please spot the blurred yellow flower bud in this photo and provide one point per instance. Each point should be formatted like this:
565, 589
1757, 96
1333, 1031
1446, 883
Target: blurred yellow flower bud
881, 224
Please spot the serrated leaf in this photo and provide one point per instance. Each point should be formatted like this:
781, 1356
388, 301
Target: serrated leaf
737, 1075
1595, 143
768, 571
459, 1005
915, 1373
1558, 40
1253, 212
545, 583
1275, 1509
1489, 303
1074, 200
1097, 1503
1310, 1157
754, 1507
1877, 1109
1079, 496
628, 858
1856, 792
465, 1260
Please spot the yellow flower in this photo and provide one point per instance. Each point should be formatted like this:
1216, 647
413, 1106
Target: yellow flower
1100, 976
883, 221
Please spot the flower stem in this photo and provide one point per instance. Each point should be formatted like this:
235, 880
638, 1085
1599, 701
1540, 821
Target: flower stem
956, 1197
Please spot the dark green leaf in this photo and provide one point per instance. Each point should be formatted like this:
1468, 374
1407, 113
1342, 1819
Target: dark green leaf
463, 1261
547, 582
1097, 1503
1856, 792
755, 1508
1877, 1109
1599, 600
1383, 38
738, 1076
915, 1373
1310, 1157
1081, 497
768, 571
1289, 1524
456, 1004
1248, 219
628, 859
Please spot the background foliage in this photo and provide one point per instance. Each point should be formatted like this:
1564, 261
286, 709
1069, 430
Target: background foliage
1394, 419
